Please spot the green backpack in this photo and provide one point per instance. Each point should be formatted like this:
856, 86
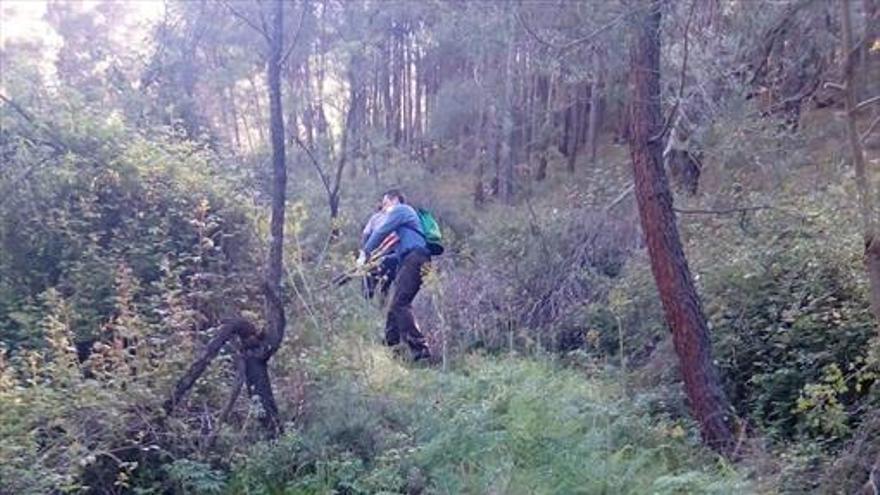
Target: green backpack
431, 231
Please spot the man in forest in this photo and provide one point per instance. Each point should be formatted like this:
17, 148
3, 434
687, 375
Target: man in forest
412, 253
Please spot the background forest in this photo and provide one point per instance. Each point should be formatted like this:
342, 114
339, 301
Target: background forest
180, 181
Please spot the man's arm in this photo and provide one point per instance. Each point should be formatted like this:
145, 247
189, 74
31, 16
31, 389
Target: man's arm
394, 219
374, 220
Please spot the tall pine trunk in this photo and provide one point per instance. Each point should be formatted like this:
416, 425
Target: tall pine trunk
575, 131
681, 304
595, 107
506, 182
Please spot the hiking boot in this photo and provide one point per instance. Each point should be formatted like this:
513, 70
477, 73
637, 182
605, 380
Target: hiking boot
421, 355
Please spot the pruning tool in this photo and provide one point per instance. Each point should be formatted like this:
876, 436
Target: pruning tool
372, 262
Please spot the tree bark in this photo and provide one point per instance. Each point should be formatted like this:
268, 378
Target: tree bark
595, 106
575, 131
546, 129
870, 60
258, 109
681, 304
258, 347
349, 134
507, 183
256, 369
235, 327
863, 182
233, 109
417, 113
309, 111
387, 73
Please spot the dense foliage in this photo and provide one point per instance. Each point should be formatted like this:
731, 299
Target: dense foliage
134, 220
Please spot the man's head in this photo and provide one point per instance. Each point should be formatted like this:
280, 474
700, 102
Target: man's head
392, 198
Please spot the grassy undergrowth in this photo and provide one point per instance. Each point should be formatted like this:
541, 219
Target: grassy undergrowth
493, 425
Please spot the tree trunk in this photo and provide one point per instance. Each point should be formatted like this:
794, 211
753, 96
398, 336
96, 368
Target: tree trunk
309, 111
575, 131
681, 304
417, 117
349, 134
323, 126
546, 129
481, 144
595, 107
234, 111
507, 183
387, 73
256, 363
258, 116
870, 59
863, 182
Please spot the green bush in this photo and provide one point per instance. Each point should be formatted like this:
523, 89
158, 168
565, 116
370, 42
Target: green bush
788, 313
152, 206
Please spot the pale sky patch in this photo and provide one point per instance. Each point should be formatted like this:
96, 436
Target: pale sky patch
23, 21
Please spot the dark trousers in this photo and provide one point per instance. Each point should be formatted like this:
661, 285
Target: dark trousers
400, 323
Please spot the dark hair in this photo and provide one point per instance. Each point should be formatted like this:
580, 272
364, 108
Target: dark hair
397, 194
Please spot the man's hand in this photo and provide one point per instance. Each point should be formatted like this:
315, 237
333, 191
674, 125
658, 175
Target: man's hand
362, 259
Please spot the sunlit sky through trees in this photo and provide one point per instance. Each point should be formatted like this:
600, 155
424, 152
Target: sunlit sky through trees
24, 21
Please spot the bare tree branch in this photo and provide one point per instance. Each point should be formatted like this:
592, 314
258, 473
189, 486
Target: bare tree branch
236, 389
595, 34
263, 16
588, 39
314, 162
243, 328
55, 141
247, 21
295, 40
18, 109
533, 34
669, 119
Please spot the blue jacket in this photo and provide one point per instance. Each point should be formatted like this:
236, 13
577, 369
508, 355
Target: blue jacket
403, 220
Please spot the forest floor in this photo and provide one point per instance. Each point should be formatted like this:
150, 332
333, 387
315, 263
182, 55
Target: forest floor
492, 424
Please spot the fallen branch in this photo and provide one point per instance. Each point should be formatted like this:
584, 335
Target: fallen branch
725, 211
866, 103
620, 197
864, 135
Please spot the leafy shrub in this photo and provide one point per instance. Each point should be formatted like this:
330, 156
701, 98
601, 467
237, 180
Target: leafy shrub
789, 319
152, 205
